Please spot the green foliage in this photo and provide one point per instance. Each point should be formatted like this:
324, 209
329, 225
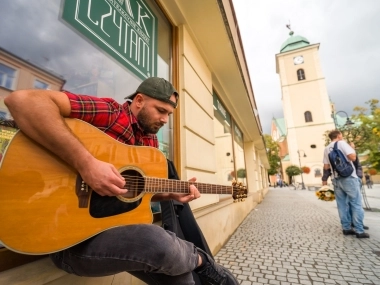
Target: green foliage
241, 173
273, 151
354, 133
293, 170
370, 124
365, 134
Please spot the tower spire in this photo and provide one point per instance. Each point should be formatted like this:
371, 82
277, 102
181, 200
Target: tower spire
289, 27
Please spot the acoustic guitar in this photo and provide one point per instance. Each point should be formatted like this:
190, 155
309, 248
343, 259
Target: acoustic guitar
45, 206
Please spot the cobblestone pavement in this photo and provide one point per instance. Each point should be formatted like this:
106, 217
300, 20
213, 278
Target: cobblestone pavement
294, 238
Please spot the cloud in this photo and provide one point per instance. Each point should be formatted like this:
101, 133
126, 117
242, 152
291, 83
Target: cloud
44, 39
347, 32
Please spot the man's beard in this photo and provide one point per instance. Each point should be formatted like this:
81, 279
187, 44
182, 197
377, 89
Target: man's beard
146, 124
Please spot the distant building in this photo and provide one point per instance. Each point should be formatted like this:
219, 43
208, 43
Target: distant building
16, 73
306, 105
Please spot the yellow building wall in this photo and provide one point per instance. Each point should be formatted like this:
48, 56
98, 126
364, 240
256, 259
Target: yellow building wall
199, 151
299, 96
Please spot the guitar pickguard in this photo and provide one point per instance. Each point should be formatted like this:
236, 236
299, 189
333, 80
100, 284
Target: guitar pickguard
105, 206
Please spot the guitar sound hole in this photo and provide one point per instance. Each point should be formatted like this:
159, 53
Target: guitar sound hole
106, 206
134, 182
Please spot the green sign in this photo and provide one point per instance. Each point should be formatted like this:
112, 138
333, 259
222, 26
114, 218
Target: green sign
238, 135
219, 107
125, 29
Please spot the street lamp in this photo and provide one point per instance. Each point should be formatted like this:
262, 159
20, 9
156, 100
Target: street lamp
348, 121
299, 159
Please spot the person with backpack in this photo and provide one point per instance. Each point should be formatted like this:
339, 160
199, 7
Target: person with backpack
359, 173
339, 158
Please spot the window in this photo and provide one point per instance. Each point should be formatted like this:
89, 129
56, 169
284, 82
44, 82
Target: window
229, 147
223, 143
308, 117
239, 155
301, 74
3, 115
7, 76
40, 85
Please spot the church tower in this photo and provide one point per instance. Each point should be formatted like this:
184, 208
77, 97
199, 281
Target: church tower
306, 105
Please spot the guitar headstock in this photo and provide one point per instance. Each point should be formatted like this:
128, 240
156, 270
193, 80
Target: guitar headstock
239, 191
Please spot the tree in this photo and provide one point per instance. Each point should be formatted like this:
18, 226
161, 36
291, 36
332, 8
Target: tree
370, 124
273, 151
293, 170
353, 133
365, 134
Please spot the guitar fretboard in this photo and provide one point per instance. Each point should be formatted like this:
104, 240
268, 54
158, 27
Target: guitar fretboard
160, 185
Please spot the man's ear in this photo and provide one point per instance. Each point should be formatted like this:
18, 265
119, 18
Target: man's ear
139, 100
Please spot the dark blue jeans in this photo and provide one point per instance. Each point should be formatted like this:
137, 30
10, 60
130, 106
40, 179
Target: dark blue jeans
148, 252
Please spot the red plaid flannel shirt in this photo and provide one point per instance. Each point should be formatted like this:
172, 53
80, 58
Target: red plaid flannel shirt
114, 119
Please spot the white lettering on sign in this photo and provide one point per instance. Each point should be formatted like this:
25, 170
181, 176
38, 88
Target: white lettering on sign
141, 17
238, 132
132, 40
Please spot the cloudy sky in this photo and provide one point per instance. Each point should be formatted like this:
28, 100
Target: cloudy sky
349, 35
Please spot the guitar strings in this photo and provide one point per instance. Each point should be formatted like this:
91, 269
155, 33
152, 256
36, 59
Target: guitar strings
163, 181
159, 184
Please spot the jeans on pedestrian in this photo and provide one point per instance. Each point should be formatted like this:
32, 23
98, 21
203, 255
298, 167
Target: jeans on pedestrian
347, 190
148, 252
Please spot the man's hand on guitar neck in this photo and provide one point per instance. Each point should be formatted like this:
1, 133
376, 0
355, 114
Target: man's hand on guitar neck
183, 198
103, 178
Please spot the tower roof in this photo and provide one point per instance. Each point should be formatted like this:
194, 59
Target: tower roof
294, 42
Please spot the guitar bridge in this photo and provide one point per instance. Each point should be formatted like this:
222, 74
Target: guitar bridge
82, 192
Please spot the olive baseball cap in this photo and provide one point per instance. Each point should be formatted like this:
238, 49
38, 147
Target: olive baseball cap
157, 88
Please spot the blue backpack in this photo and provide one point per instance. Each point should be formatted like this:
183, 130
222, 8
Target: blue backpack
339, 162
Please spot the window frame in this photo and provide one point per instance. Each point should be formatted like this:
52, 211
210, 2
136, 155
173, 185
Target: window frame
308, 117
301, 74
42, 82
14, 82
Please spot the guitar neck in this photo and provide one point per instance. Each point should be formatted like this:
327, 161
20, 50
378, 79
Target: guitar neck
160, 185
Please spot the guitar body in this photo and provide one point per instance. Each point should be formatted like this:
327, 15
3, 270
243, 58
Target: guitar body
42, 209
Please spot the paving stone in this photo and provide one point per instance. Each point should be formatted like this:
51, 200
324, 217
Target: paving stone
293, 238
281, 278
263, 280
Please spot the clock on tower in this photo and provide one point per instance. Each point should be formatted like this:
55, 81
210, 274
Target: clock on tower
298, 59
